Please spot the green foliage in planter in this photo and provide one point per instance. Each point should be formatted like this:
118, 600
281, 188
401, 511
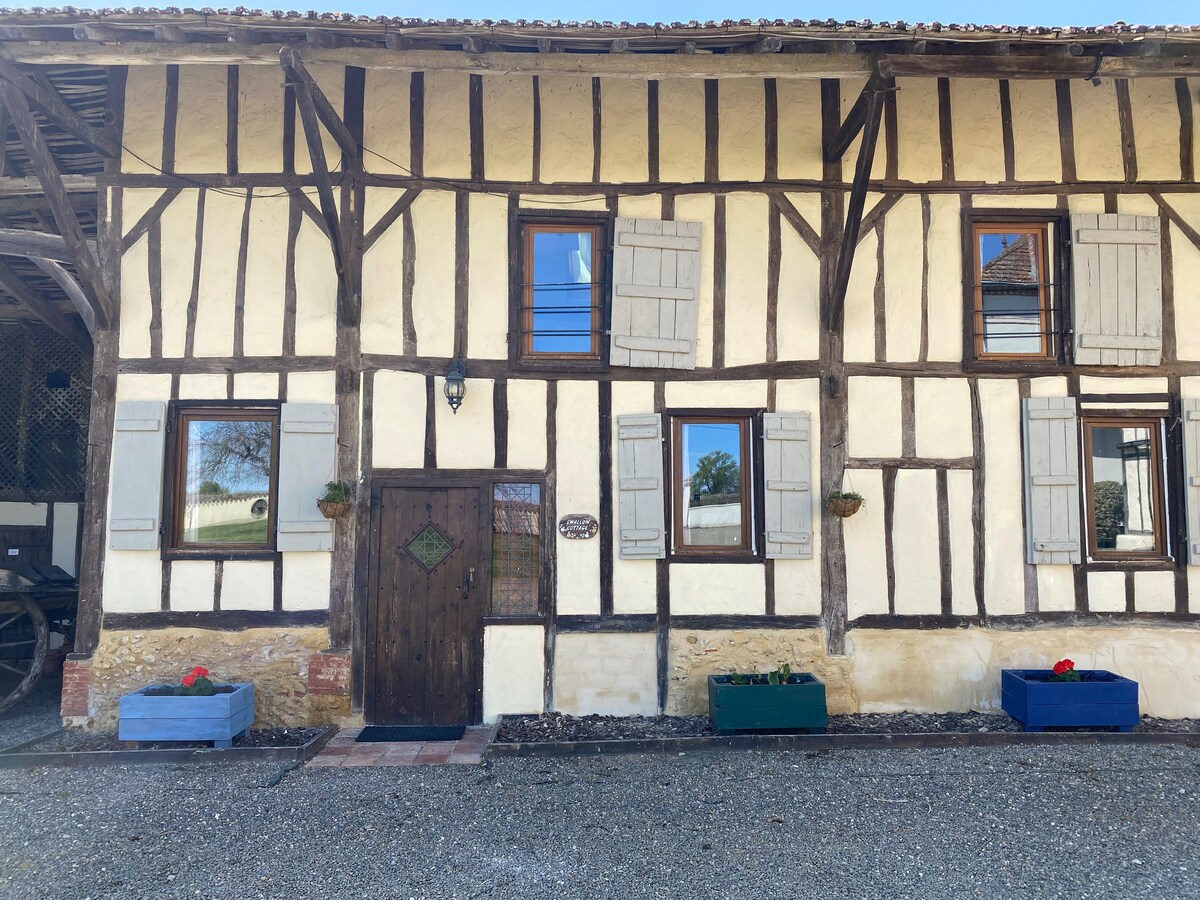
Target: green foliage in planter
845, 495
336, 492
782, 675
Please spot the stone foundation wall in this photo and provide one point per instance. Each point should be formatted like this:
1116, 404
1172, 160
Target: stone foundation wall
278, 661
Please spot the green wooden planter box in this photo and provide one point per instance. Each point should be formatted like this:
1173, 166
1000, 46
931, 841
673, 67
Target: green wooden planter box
774, 707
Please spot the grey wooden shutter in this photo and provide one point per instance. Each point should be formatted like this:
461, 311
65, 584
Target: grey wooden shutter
307, 460
656, 269
640, 487
135, 500
787, 472
1051, 444
1116, 279
1191, 473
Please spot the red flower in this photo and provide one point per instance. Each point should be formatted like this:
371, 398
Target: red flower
200, 672
1063, 665
189, 680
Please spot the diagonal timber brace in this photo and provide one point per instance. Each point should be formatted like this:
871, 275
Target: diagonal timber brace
836, 148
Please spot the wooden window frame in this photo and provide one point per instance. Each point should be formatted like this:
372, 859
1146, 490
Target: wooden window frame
1045, 317
1154, 424
174, 486
751, 548
522, 226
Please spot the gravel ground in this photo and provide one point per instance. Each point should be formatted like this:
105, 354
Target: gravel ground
75, 740
34, 716
1078, 823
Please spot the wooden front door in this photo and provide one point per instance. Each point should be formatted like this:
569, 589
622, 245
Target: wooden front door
427, 606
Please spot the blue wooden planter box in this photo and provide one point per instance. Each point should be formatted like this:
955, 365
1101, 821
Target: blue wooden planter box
218, 718
1107, 699
777, 707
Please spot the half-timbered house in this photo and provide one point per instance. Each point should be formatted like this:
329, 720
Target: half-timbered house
592, 319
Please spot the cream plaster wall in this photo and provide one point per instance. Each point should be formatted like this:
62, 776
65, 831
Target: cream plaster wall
1097, 131
514, 670
850, 90
386, 126
715, 394
398, 420
256, 386
1106, 591
975, 126
606, 674
863, 533
306, 580
201, 124
316, 293
960, 497
466, 439
218, 274
131, 386
260, 119
1056, 588
1036, 152
945, 279
903, 244
1098, 384
873, 418
578, 481
203, 386
700, 208
331, 79
248, 584
487, 294
382, 328
1004, 538
266, 258
942, 415
192, 585
568, 202
132, 581
746, 278
859, 310
136, 306
1185, 257
1155, 121
741, 112
311, 387
919, 141
634, 580
13, 513
566, 104
447, 124
915, 543
798, 581
433, 287
680, 130
797, 316
1014, 201
640, 206
1154, 591
798, 105
526, 424
1048, 386
178, 225
508, 127
145, 93
717, 588
624, 132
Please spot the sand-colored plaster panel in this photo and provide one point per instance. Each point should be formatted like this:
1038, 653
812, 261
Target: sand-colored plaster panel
975, 125
1097, 130
260, 119
136, 302
1193, 580
1086, 203
306, 580
1004, 540
863, 533
624, 137
694, 655
202, 124
1097, 384
142, 129
681, 130
514, 670
1185, 259
797, 318
256, 386
192, 585
311, 387
383, 305
266, 259
578, 470
526, 424
1106, 591
943, 407
13, 513
1138, 205
701, 208
64, 536
131, 386
564, 202
798, 101
919, 139
1036, 152
606, 674
316, 293
466, 439
1154, 591
717, 588
218, 274
1056, 588
566, 104
331, 79
132, 581
859, 310
915, 543
433, 286
945, 279
892, 673
1155, 124
248, 584
203, 387
386, 128
640, 206
178, 225
1049, 386
447, 124
741, 145
1014, 201
874, 417
634, 581
487, 294
508, 127
851, 88
716, 394
398, 420
903, 245
746, 279
960, 498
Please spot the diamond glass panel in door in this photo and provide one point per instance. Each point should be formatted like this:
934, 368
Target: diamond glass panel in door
516, 556
1011, 318
227, 486
561, 311
713, 491
1123, 485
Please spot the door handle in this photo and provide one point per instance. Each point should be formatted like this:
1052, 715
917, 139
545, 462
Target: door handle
469, 581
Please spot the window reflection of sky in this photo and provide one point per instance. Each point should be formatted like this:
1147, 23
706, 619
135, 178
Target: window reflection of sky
701, 438
235, 455
562, 293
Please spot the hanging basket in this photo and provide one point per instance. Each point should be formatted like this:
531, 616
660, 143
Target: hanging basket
333, 509
843, 507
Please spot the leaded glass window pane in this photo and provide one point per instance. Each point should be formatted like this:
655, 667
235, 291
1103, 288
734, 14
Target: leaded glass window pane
516, 549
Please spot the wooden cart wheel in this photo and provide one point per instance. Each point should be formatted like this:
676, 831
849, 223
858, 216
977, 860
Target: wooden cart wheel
24, 637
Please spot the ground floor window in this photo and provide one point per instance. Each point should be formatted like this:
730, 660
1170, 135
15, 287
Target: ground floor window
710, 485
516, 549
1125, 498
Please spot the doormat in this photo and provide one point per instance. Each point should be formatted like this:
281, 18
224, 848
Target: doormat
376, 733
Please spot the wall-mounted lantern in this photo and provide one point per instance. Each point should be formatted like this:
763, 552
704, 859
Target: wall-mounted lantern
456, 385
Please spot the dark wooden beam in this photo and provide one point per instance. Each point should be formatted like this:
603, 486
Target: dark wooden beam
297, 74
44, 309
855, 119
854, 212
1029, 66
72, 289
42, 95
82, 251
33, 244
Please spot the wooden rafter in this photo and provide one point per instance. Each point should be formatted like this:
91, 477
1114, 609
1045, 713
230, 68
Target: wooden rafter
33, 244
40, 93
44, 309
72, 289
856, 118
82, 252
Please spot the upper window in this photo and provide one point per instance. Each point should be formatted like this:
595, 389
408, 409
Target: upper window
224, 479
1125, 501
562, 294
711, 485
1012, 316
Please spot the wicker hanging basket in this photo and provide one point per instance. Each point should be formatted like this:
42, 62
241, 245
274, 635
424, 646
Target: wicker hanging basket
333, 509
843, 507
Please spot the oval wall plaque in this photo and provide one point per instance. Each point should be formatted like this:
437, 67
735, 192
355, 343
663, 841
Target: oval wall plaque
578, 527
